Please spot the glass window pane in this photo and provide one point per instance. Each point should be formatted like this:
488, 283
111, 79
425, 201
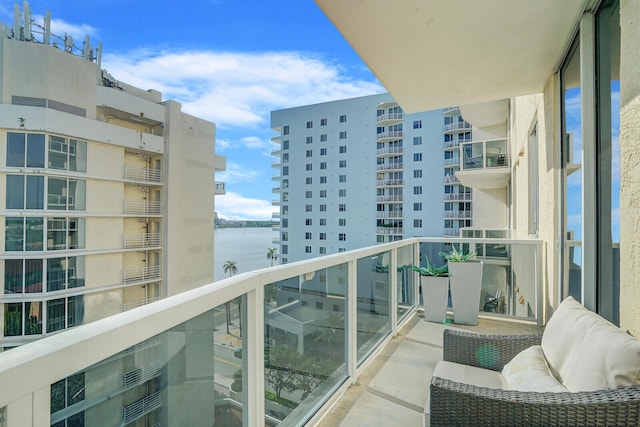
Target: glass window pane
14, 234
406, 289
58, 396
33, 314
33, 275
75, 272
77, 194
56, 234
57, 194
58, 152
13, 319
76, 233
35, 192
35, 234
55, 315
75, 311
15, 191
13, 274
56, 274
77, 156
35, 150
15, 149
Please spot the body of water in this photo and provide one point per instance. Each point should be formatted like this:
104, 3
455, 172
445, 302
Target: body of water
246, 246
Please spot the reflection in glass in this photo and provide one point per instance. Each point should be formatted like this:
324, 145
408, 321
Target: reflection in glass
373, 301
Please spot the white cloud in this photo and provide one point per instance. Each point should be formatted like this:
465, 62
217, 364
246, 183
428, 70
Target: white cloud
234, 206
236, 173
222, 144
236, 89
254, 142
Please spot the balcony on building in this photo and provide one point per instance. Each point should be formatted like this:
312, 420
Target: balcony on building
389, 167
484, 164
220, 189
389, 135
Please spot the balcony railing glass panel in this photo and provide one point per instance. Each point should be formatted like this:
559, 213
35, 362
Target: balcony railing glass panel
405, 282
374, 302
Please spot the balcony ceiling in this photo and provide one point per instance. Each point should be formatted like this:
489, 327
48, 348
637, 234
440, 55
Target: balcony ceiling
437, 53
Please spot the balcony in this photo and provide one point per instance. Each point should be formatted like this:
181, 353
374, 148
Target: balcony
143, 175
389, 230
457, 214
389, 118
142, 207
221, 188
389, 135
280, 321
484, 164
457, 197
390, 199
451, 179
390, 167
141, 275
389, 182
392, 214
389, 151
456, 126
141, 241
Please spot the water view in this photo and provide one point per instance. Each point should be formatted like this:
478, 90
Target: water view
246, 246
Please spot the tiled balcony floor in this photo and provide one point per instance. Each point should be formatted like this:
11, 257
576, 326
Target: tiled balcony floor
393, 389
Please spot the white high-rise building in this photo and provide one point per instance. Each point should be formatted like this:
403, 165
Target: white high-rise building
107, 190
356, 172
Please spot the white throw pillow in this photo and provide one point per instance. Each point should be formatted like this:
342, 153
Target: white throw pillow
528, 371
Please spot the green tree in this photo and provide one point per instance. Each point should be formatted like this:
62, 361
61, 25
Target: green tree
271, 255
280, 370
230, 267
236, 385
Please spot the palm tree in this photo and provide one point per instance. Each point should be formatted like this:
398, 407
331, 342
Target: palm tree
230, 267
271, 255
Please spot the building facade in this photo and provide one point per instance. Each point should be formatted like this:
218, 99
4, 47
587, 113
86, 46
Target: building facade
97, 188
356, 172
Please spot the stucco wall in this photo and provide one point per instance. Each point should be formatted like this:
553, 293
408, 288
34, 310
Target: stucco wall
629, 167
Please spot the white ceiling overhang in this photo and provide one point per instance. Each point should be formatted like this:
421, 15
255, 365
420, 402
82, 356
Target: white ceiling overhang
437, 53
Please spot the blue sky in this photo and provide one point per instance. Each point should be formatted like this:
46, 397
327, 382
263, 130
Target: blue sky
228, 61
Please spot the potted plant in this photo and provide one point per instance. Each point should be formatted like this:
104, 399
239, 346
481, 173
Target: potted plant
435, 290
465, 278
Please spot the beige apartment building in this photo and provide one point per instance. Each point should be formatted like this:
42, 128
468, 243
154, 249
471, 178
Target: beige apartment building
96, 188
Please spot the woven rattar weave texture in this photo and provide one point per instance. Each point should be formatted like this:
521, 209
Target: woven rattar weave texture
457, 404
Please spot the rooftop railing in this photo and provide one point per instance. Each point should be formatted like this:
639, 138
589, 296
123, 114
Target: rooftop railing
281, 343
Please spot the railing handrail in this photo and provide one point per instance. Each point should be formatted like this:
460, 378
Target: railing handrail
55, 357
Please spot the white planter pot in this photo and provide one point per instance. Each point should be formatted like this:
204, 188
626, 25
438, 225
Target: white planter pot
466, 281
435, 292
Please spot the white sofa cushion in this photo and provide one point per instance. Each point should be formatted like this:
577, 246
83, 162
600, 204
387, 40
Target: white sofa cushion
469, 375
586, 352
528, 371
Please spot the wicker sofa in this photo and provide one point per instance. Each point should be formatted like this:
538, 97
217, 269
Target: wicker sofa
487, 379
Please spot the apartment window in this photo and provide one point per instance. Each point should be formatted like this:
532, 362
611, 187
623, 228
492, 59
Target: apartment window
285, 210
342, 222
343, 118
343, 163
417, 189
23, 234
285, 250
285, 144
417, 157
323, 236
417, 140
417, 124
342, 207
23, 276
22, 318
285, 170
25, 149
285, 197
308, 221
322, 250
24, 192
308, 180
323, 151
323, 165
309, 153
417, 173
309, 125
65, 233
323, 137
343, 134
65, 393
342, 193
284, 222
285, 158
323, 221
323, 122
323, 180
308, 208
67, 154
307, 249
309, 166
309, 139
285, 236
308, 194
417, 223
323, 208
342, 237
285, 130
342, 249
323, 193
65, 273
343, 149
417, 206
307, 236
342, 178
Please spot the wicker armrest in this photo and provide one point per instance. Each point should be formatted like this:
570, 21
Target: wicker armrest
484, 351
454, 403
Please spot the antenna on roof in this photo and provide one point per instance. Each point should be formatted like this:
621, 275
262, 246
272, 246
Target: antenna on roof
27, 21
16, 22
47, 28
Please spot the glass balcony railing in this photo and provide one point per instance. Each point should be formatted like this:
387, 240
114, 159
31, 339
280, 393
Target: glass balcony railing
270, 346
484, 155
